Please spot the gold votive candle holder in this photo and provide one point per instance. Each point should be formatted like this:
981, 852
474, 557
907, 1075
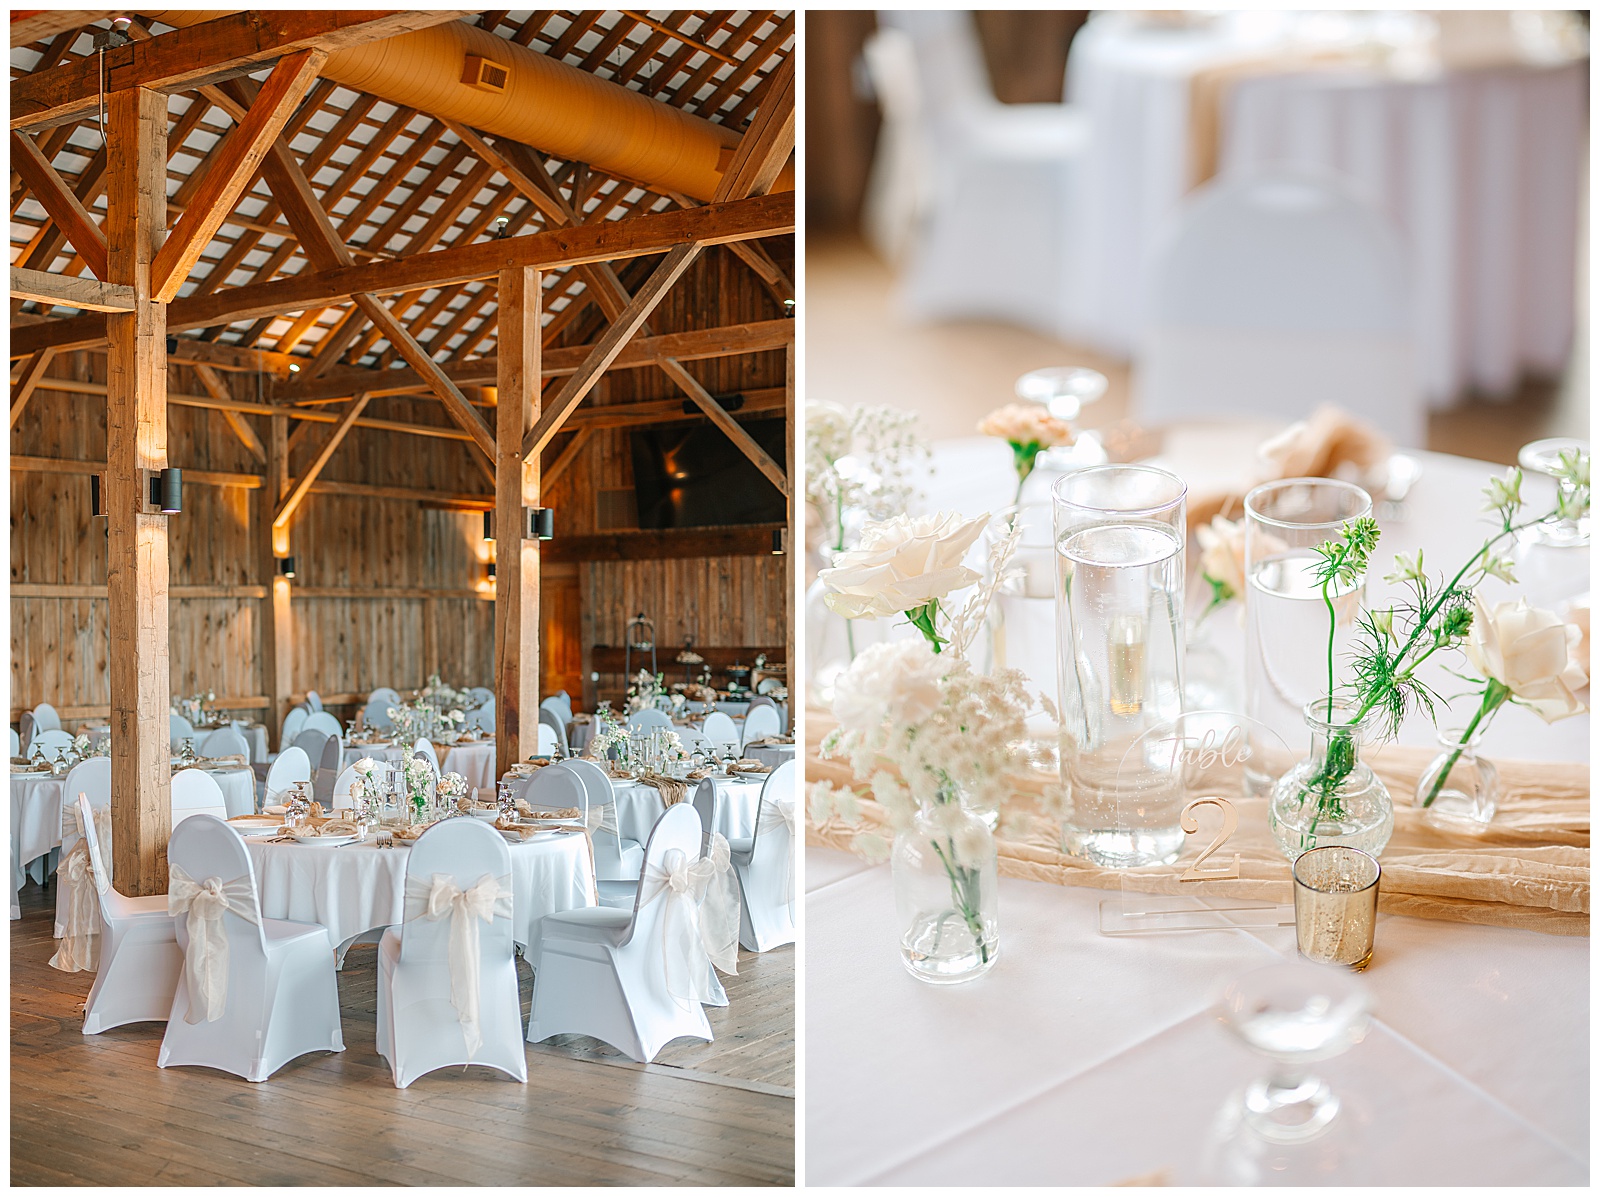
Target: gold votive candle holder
1336, 905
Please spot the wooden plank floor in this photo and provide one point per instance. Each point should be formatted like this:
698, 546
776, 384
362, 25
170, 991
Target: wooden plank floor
97, 1110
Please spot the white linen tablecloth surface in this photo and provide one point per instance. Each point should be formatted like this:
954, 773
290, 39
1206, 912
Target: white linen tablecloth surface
359, 888
35, 824
473, 760
773, 755
639, 806
1082, 1059
238, 787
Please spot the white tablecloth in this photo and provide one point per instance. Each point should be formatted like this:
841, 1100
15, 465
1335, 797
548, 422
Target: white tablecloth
639, 806
1085, 1060
773, 755
238, 789
359, 888
474, 761
1479, 171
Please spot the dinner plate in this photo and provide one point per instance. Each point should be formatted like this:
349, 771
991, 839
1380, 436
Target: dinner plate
327, 841
537, 837
253, 830
490, 815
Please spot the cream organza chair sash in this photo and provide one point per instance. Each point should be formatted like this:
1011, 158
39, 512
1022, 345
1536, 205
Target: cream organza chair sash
602, 817
84, 878
695, 922
440, 897
205, 963
773, 816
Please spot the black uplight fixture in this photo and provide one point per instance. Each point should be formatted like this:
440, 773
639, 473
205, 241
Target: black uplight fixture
779, 538
488, 526
166, 490
286, 567
97, 502
541, 523
491, 571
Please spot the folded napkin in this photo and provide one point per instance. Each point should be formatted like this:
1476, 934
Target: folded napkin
771, 742
525, 830
749, 766
235, 760
529, 812
411, 834
619, 773
1528, 868
672, 790
1330, 441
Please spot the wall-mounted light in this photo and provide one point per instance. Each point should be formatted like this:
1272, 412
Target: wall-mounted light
788, 307
541, 522
488, 525
779, 538
164, 491
491, 571
294, 367
286, 567
97, 502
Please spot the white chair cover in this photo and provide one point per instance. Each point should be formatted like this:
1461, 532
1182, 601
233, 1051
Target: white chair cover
179, 729
327, 774
549, 745
292, 765
314, 701
225, 741
424, 747
292, 724
82, 879
323, 722
719, 907
205, 963
45, 718
765, 865
759, 723
195, 792
719, 729
440, 897
50, 742
480, 694
779, 818
482, 718
680, 881
16, 740
376, 713
648, 718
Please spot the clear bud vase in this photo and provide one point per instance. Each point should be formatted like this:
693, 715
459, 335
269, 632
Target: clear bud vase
1460, 789
946, 883
1331, 797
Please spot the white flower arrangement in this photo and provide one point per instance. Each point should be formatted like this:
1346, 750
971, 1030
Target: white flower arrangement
864, 461
644, 690
609, 732
452, 786
419, 776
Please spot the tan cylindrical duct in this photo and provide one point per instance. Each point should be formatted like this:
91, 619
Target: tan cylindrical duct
566, 112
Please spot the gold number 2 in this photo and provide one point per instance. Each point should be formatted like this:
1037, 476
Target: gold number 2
1191, 825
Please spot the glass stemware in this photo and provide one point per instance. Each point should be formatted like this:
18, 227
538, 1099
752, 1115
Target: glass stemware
1296, 1015
1551, 559
1064, 390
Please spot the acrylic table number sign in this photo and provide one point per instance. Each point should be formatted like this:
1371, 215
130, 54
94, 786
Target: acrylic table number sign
1201, 756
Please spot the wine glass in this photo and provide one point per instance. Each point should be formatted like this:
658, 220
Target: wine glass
1065, 390
1295, 1014
1551, 559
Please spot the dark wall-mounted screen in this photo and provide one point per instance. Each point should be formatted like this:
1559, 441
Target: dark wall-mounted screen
692, 475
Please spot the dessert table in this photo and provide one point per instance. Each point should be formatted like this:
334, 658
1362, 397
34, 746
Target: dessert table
358, 887
1478, 168
1082, 1059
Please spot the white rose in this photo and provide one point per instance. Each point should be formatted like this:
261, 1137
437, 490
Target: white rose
1026, 424
902, 564
1578, 617
1222, 554
1533, 653
897, 681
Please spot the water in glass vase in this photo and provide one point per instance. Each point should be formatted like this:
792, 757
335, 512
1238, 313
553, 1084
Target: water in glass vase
1119, 658
1286, 650
946, 883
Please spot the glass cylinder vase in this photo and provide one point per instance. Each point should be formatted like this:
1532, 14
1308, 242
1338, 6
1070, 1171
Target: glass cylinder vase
946, 883
1460, 789
1331, 797
1119, 545
1286, 620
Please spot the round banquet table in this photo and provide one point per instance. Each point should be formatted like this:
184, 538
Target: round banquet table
238, 786
771, 754
473, 760
640, 805
1084, 1060
1479, 170
359, 888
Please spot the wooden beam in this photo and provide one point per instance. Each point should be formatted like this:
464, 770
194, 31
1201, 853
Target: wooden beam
136, 441
29, 27
567, 455
70, 291
608, 347
640, 352
751, 540
640, 236
206, 53
690, 385
59, 200
275, 621
792, 602
767, 142
23, 388
230, 167
212, 381
297, 493
516, 485
455, 403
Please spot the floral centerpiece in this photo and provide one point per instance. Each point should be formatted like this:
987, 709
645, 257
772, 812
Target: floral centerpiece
452, 788
84, 748
609, 732
863, 460
419, 783
194, 707
645, 690
443, 697
1029, 429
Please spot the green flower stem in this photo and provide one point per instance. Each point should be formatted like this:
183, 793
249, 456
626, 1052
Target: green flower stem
1494, 695
925, 620
963, 887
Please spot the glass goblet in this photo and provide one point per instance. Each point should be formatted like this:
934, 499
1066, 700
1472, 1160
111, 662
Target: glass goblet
1296, 1015
1064, 390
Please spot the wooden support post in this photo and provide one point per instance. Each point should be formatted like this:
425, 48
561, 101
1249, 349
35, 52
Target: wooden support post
516, 583
277, 628
136, 441
792, 550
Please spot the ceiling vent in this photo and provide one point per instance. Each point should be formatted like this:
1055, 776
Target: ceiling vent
484, 74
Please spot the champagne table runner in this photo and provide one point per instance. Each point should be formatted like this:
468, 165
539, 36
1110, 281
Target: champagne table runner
1528, 869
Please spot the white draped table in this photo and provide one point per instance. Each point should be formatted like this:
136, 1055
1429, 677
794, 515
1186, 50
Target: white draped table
1083, 1060
640, 805
359, 887
771, 754
474, 760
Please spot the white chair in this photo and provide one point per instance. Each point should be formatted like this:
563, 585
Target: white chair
424, 747
480, 695
975, 195
720, 729
1273, 295
648, 718
615, 858
693, 741
482, 718
327, 773
196, 792
341, 785
376, 712
291, 765
314, 701
422, 1025
565, 700
92, 778
311, 741
548, 744
45, 718
323, 722
179, 730
225, 741
765, 866
16, 743
280, 998
604, 972
759, 723
550, 713
387, 694
139, 955
51, 742
292, 723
